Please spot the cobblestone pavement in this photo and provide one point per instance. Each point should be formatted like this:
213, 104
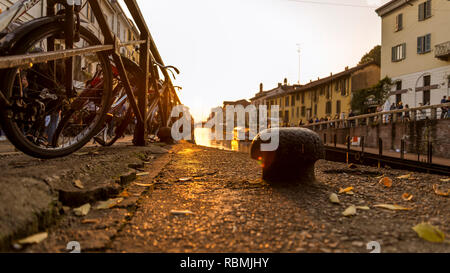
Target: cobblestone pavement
210, 200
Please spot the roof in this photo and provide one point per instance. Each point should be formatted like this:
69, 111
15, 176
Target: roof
333, 77
243, 102
391, 6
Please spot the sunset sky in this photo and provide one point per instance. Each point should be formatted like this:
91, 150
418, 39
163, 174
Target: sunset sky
225, 48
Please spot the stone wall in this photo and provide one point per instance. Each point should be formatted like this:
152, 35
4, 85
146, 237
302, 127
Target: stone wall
416, 133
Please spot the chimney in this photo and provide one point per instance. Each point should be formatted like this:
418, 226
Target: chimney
285, 81
346, 68
261, 87
279, 85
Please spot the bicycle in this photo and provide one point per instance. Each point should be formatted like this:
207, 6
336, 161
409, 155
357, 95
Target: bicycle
54, 107
36, 97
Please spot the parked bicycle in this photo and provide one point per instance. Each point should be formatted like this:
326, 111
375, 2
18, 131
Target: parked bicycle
57, 81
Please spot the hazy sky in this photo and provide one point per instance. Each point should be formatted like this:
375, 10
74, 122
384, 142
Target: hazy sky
225, 48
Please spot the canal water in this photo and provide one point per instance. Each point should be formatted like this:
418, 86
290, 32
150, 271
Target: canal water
203, 137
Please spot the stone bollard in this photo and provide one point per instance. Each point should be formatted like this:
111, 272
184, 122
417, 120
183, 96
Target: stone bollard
293, 162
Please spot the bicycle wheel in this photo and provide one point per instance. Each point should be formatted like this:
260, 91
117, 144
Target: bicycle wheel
41, 103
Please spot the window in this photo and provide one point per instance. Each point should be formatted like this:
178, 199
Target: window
398, 85
303, 111
425, 10
338, 107
328, 107
427, 80
315, 109
303, 97
399, 52
424, 44
292, 100
298, 112
426, 97
399, 22
344, 87
298, 96
287, 101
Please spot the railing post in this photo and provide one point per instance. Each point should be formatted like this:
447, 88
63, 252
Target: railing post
363, 142
434, 113
380, 151
402, 148
324, 138
430, 152
348, 148
335, 140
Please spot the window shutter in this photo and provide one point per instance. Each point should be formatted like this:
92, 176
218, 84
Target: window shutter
419, 45
421, 11
393, 54
404, 50
427, 43
428, 9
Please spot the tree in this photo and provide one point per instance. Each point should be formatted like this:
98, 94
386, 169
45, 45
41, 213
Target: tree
373, 55
363, 99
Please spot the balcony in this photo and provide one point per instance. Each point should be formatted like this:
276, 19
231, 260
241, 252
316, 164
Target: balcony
442, 51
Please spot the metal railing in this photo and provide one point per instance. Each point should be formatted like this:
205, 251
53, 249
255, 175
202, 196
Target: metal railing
411, 114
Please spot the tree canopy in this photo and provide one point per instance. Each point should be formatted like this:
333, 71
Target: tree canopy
372, 55
363, 99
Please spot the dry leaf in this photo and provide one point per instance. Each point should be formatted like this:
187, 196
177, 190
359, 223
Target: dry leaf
334, 198
125, 193
78, 184
143, 174
346, 190
407, 197
143, 185
181, 212
379, 177
350, 193
350, 211
441, 193
109, 204
90, 221
391, 207
386, 181
445, 180
185, 179
406, 176
430, 233
83, 210
34, 239
363, 208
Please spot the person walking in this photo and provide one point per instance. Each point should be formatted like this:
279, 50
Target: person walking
407, 117
400, 107
444, 110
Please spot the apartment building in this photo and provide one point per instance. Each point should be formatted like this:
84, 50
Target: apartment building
323, 98
416, 50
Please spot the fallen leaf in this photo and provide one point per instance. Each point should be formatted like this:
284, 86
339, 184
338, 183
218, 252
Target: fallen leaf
181, 212
379, 177
334, 198
90, 221
143, 185
406, 176
83, 210
346, 190
363, 208
185, 179
34, 239
445, 180
78, 184
350, 211
81, 154
391, 207
350, 193
407, 197
439, 192
125, 193
386, 181
429, 232
143, 174
109, 204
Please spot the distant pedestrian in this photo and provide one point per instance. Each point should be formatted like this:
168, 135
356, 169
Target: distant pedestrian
407, 117
400, 107
444, 110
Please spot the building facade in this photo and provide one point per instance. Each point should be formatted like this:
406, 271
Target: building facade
416, 50
325, 98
